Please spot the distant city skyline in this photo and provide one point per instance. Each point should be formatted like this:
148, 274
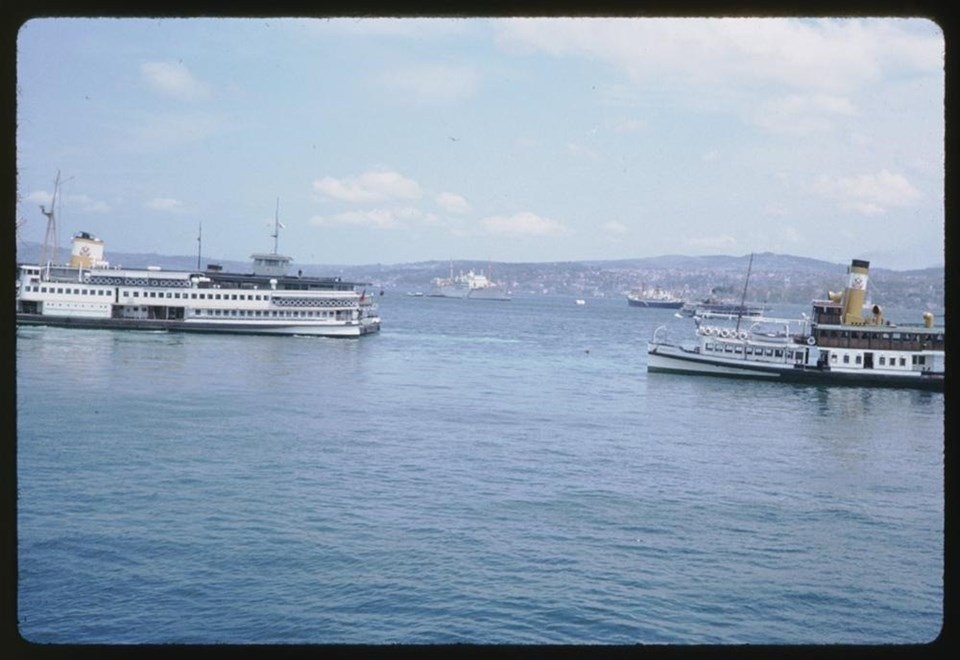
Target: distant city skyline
512, 140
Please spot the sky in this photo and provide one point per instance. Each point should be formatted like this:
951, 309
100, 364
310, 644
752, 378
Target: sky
509, 139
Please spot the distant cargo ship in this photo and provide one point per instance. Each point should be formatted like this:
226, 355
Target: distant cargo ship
656, 298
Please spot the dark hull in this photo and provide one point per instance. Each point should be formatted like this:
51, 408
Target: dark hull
656, 304
471, 295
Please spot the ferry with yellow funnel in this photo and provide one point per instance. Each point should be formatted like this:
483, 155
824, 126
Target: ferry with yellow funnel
88, 293
838, 345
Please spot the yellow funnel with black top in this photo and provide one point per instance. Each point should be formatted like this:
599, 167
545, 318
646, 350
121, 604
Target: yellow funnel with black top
856, 292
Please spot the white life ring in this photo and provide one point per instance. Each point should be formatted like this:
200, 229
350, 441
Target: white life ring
725, 333
708, 331
743, 334
811, 341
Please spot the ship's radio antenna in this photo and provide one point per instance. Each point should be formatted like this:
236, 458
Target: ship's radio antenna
199, 242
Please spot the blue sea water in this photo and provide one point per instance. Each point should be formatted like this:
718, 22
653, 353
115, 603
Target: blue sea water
479, 472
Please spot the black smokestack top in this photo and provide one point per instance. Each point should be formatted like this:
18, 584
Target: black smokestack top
861, 263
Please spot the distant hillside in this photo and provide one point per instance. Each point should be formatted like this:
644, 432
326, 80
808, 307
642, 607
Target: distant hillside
775, 277
767, 261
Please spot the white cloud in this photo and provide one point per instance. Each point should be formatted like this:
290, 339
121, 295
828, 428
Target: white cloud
614, 228
166, 131
86, 204
39, 197
432, 83
802, 114
166, 204
775, 209
627, 126
790, 234
452, 202
580, 151
522, 224
174, 81
83, 203
405, 28
712, 242
373, 186
868, 194
822, 54
385, 218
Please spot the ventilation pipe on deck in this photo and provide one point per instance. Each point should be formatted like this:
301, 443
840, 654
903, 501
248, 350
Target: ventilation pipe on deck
928, 319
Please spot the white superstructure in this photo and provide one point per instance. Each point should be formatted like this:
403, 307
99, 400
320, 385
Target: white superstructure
470, 285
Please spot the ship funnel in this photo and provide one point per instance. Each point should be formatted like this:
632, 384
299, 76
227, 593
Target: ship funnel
928, 319
855, 292
86, 251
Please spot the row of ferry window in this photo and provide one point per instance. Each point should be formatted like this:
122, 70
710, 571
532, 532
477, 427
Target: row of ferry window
883, 360
748, 350
149, 294
200, 296
68, 290
256, 313
895, 336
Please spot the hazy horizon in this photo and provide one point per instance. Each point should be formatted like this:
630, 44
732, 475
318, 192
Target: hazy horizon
34, 247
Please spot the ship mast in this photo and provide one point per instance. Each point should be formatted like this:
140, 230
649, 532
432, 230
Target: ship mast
743, 297
48, 252
276, 227
199, 242
19, 223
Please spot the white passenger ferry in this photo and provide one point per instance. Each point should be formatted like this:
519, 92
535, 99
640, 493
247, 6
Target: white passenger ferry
88, 293
837, 346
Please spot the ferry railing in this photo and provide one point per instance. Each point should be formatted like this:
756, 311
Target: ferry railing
654, 339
